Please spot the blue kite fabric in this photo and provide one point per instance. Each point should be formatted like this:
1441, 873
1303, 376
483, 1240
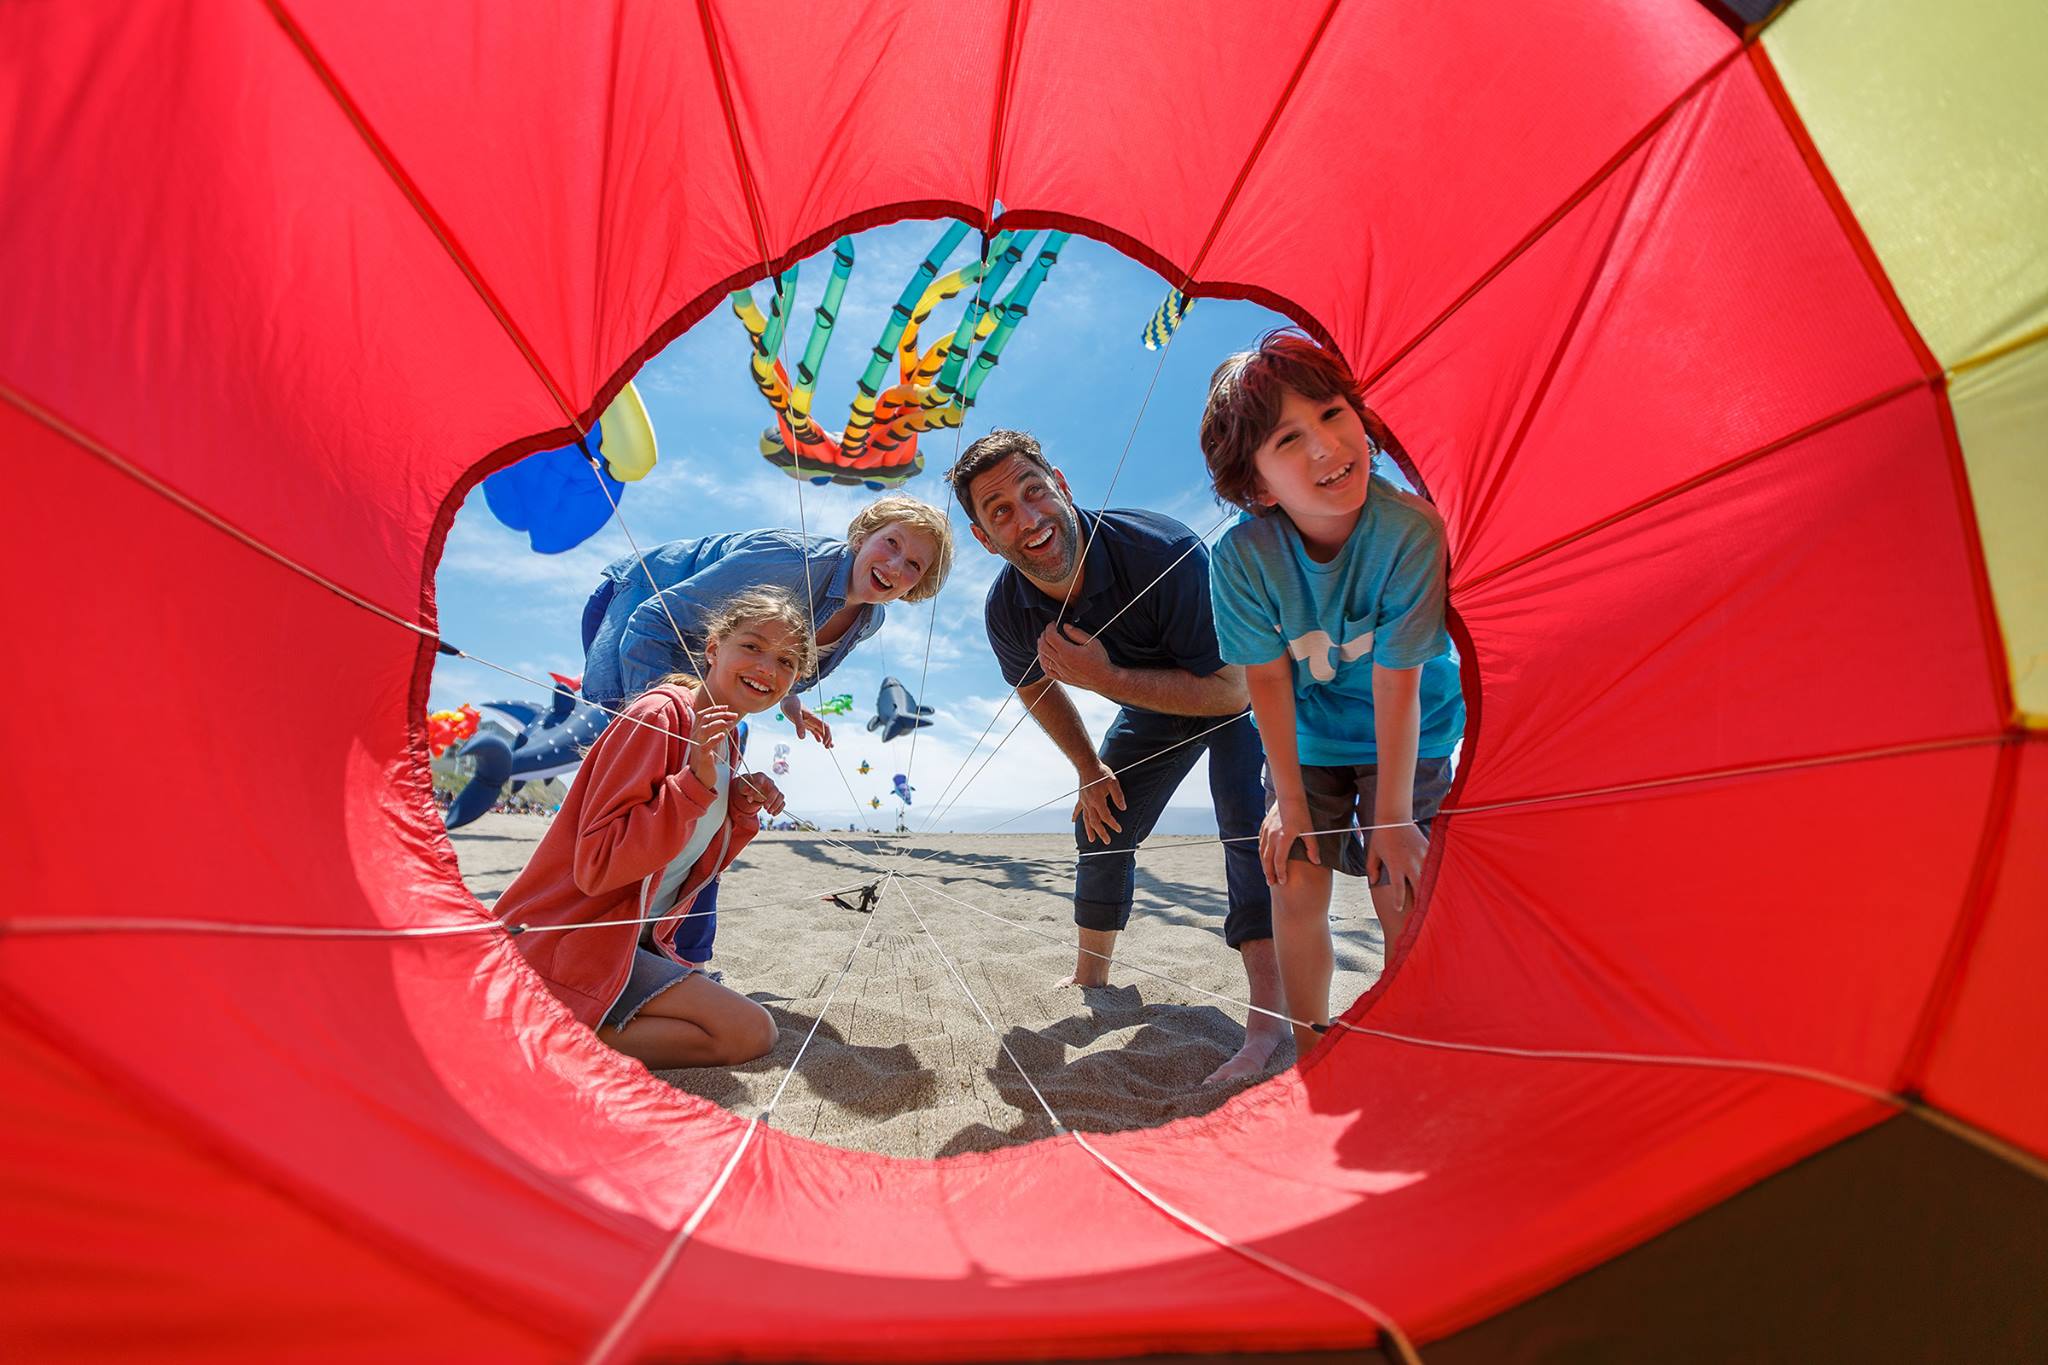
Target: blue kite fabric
553, 498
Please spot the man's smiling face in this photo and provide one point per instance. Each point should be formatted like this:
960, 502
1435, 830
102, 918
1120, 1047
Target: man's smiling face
1027, 516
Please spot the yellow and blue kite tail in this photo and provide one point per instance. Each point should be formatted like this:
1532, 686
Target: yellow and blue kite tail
1167, 320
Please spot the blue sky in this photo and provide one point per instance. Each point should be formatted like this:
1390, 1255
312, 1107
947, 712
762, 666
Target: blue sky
1075, 375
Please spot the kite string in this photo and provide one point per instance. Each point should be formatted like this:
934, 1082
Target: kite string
139, 924
1394, 1335
932, 621
1547, 1054
659, 1271
1515, 803
1986, 1142
1017, 692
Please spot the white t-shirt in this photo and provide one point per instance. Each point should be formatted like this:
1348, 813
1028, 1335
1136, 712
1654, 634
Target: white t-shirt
709, 826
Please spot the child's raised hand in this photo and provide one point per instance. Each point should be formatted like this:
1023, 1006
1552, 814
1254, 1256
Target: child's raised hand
1401, 850
1284, 823
753, 793
708, 739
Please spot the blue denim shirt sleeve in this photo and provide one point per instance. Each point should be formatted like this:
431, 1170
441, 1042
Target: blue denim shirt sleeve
648, 648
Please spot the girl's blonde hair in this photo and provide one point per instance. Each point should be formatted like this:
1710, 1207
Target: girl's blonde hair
901, 509
749, 608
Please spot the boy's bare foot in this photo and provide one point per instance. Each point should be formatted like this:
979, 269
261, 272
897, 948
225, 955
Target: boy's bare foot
1084, 980
1261, 1037
1246, 1062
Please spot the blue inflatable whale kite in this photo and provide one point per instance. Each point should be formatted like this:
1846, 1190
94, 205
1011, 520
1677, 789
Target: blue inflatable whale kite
544, 743
896, 711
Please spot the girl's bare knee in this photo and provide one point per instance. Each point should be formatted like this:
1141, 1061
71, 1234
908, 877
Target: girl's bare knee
755, 1036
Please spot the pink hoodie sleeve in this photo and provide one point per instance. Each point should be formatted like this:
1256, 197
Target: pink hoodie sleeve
641, 801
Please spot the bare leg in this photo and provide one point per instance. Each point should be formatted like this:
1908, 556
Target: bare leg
1262, 1032
1393, 917
1301, 942
1091, 962
695, 1022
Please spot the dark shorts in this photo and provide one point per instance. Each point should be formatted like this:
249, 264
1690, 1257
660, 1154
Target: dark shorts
1340, 797
652, 974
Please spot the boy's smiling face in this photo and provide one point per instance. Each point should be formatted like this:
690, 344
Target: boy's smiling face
1314, 463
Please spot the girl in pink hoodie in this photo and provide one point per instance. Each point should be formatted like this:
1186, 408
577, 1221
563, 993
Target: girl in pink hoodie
655, 813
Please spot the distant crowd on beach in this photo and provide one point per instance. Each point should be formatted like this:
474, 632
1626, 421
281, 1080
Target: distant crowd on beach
511, 805
1306, 655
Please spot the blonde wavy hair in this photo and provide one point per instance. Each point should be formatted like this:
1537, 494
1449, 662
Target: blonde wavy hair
900, 509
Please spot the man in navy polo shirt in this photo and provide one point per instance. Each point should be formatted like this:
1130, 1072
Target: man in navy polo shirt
1127, 618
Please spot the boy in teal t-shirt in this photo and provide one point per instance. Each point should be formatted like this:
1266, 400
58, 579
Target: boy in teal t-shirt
1331, 595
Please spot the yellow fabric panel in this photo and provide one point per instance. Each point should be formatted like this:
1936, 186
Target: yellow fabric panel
1933, 119
2002, 418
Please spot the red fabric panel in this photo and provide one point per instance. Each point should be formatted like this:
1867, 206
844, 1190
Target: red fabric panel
430, 1092
1437, 1185
207, 272
578, 157
844, 109
123, 1240
1816, 601
1990, 1066
1425, 143
213, 274
1096, 107
1702, 304
1794, 917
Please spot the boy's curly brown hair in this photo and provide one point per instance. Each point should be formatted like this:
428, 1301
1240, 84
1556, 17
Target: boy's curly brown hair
1244, 406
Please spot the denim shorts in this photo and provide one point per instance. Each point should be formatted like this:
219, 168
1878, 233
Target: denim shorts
652, 974
1340, 797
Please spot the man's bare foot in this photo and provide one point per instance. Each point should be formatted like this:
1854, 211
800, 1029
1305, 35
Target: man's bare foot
1246, 1062
1091, 963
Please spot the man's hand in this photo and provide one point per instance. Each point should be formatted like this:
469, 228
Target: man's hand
1284, 823
709, 737
753, 793
1099, 791
1400, 849
1071, 655
809, 724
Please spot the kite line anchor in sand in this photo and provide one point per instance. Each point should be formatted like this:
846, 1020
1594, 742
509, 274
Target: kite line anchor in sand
864, 898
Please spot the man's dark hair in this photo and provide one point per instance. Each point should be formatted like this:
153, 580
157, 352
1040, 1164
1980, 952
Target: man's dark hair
1244, 406
986, 453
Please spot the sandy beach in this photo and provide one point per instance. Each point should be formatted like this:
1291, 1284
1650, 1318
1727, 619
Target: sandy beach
902, 1062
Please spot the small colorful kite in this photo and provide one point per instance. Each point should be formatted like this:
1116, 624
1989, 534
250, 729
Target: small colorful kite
1167, 320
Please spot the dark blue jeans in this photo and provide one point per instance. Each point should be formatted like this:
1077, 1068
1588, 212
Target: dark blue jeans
1103, 882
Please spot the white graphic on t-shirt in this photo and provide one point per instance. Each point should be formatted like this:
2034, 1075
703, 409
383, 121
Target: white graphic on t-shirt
1314, 649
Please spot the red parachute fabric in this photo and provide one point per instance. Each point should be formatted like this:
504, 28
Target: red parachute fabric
1739, 787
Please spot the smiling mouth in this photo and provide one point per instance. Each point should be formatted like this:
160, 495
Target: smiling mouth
1337, 477
880, 582
763, 689
1041, 540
